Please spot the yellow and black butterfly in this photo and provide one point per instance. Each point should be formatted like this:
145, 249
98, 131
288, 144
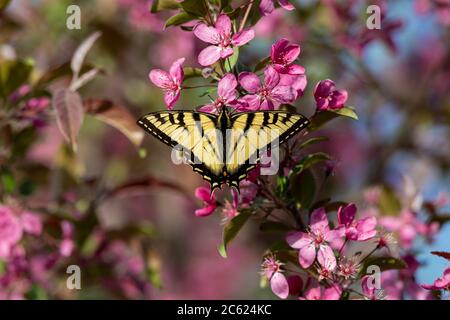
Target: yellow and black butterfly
223, 148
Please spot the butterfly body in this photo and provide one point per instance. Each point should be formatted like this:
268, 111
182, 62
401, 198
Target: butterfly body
223, 148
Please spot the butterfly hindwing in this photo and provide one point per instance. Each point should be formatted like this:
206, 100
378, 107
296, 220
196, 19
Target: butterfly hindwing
254, 133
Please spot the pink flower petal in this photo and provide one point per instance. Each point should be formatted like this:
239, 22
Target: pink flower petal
313, 293
332, 293
319, 221
334, 234
307, 255
176, 70
338, 99
295, 69
208, 108
298, 239
243, 37
207, 34
266, 7
267, 104
227, 87
226, 52
223, 25
326, 257
171, 98
284, 94
322, 103
367, 235
285, 4
206, 211
295, 285
271, 77
209, 56
366, 224
31, 223
279, 285
250, 82
203, 193
346, 214
66, 247
251, 102
161, 78
324, 88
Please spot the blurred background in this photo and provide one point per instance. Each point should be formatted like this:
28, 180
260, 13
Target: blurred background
398, 79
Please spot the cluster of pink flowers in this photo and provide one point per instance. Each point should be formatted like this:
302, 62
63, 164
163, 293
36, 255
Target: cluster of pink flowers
316, 245
284, 80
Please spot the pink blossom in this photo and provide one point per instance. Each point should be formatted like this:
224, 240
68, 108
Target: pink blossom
348, 268
10, 231
272, 270
67, 245
408, 226
283, 54
231, 208
170, 81
327, 97
318, 293
441, 283
295, 285
209, 201
315, 242
359, 230
226, 94
266, 7
368, 289
268, 95
221, 38
31, 223
296, 82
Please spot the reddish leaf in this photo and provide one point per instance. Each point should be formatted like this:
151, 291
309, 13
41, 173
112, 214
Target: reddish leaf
117, 116
142, 185
81, 52
442, 254
69, 114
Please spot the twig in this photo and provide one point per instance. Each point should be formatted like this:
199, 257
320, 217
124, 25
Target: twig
247, 13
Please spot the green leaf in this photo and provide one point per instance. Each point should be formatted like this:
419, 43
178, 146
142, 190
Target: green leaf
179, 19
309, 161
385, 263
312, 141
272, 226
232, 228
13, 74
4, 4
262, 64
27, 188
229, 63
282, 184
389, 203
225, 3
36, 293
322, 117
8, 182
192, 72
197, 8
303, 188
161, 5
